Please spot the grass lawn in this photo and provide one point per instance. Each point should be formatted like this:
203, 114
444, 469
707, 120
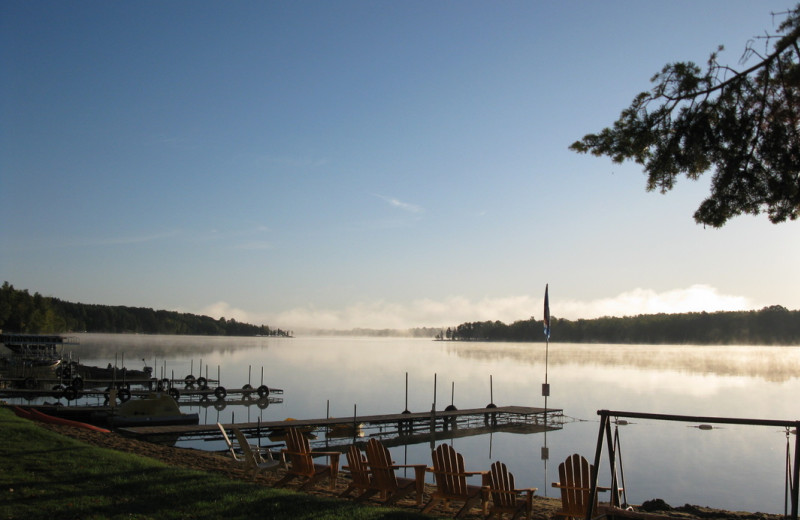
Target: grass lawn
44, 475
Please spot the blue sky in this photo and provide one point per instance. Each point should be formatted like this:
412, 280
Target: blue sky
362, 164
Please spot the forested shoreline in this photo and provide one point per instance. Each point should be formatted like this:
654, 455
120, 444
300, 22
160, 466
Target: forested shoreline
774, 325
22, 312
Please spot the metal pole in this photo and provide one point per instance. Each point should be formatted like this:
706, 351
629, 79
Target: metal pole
612, 458
598, 451
406, 408
795, 483
434, 391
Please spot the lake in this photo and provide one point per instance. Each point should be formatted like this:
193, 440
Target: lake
732, 467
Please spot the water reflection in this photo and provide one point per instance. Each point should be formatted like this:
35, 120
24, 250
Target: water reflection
734, 467
774, 364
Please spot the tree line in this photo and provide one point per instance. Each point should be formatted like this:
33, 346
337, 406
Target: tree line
25, 313
773, 325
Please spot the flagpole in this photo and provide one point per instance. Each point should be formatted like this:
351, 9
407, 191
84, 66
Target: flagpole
546, 323
546, 385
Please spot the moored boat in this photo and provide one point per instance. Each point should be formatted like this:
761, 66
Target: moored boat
157, 409
34, 350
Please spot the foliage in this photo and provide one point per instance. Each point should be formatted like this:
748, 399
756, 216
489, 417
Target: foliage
21, 312
746, 124
770, 326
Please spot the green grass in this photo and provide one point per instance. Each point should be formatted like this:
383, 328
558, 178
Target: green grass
44, 475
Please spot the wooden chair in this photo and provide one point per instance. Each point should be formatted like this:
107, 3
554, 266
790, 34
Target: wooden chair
255, 463
451, 480
301, 461
359, 472
505, 497
575, 477
232, 448
384, 479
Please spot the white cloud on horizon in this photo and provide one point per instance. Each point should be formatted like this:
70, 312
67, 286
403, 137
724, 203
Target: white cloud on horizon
696, 298
219, 310
456, 310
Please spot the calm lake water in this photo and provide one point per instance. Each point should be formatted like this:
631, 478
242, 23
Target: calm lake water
732, 467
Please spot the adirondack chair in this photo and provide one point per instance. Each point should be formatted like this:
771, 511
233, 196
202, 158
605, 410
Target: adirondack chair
384, 479
575, 475
451, 480
254, 462
505, 498
301, 461
359, 472
232, 448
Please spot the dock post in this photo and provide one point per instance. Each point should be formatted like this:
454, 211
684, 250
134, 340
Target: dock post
406, 408
434, 391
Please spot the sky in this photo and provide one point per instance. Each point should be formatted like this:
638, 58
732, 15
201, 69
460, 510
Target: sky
373, 164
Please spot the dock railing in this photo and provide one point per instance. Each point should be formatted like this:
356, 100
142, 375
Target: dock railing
605, 432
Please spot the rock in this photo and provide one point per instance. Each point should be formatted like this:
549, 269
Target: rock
655, 504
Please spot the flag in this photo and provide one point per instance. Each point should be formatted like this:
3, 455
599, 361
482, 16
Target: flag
546, 320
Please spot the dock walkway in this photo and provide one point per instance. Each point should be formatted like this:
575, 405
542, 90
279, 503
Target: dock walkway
525, 419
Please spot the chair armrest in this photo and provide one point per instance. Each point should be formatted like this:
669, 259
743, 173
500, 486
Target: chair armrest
366, 470
415, 466
467, 473
325, 453
576, 488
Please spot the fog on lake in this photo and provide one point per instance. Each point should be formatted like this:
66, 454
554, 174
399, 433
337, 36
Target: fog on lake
730, 466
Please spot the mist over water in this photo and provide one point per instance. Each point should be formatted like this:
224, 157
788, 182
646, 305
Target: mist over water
731, 467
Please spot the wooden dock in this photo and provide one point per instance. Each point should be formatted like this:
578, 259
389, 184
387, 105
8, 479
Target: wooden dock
92, 389
402, 427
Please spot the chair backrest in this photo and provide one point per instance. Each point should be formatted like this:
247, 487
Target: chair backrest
380, 463
249, 456
448, 470
575, 475
357, 464
501, 486
299, 452
228, 442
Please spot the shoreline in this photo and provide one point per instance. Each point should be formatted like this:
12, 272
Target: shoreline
544, 508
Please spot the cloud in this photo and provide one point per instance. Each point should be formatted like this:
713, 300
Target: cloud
405, 206
221, 309
455, 310
696, 298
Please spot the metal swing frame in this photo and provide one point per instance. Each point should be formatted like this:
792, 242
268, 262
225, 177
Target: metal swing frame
605, 432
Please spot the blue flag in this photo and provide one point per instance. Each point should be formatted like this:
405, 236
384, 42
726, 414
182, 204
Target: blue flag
546, 312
